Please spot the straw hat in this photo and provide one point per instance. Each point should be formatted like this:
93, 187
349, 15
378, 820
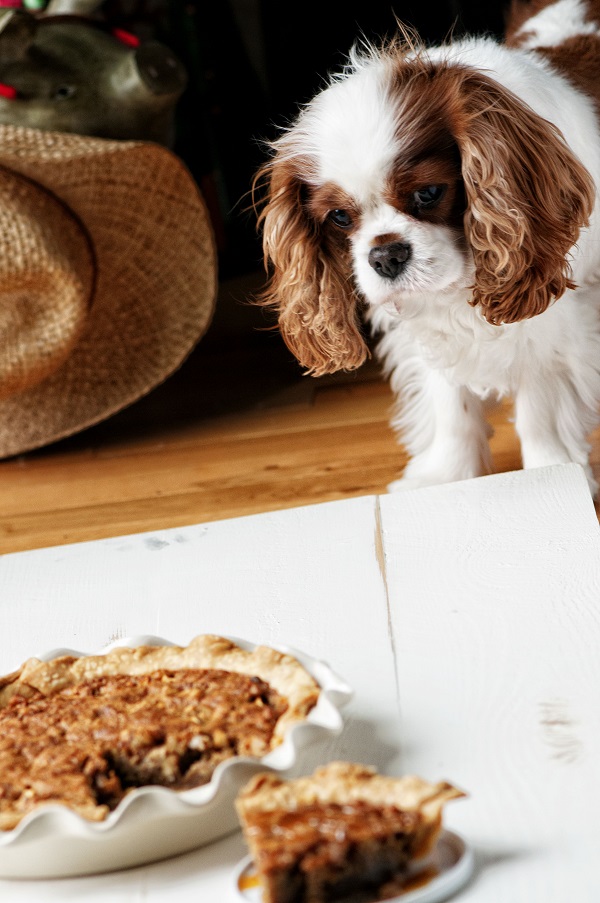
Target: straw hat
107, 278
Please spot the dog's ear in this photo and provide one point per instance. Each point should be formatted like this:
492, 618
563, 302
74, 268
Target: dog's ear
310, 282
528, 196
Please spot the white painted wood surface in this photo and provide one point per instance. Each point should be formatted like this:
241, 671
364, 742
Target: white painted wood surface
466, 617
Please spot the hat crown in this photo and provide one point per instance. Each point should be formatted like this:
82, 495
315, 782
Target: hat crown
46, 282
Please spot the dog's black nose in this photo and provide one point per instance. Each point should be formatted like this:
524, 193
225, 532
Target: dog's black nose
389, 260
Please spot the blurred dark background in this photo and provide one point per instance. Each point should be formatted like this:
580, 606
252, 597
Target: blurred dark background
251, 63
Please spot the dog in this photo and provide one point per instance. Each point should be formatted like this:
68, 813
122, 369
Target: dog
445, 198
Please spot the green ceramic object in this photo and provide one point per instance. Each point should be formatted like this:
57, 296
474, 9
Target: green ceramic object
63, 70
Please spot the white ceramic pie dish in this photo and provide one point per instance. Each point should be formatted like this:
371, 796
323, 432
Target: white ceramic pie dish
152, 823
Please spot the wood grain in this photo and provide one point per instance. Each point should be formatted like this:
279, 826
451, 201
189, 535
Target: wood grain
238, 430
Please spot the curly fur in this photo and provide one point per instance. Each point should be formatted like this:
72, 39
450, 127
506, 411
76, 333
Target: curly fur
528, 199
311, 290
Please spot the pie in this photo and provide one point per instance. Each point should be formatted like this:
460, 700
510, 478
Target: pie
343, 833
84, 731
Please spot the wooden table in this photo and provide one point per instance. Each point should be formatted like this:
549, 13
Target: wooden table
466, 618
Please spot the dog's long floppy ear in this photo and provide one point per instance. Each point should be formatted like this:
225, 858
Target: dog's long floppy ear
528, 196
310, 284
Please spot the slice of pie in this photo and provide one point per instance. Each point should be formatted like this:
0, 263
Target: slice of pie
85, 731
342, 834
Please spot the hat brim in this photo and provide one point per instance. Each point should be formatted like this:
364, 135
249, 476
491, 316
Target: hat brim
156, 280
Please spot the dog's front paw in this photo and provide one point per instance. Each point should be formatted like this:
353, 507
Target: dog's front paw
405, 483
592, 483
418, 476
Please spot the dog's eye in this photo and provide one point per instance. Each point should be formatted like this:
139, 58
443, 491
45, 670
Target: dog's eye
429, 196
341, 218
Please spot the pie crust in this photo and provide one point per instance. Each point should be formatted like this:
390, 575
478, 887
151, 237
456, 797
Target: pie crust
84, 731
344, 831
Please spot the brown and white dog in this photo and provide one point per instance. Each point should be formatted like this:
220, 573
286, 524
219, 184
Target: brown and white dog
448, 195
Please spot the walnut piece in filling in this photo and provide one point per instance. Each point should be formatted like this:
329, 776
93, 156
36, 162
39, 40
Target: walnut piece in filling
83, 732
342, 834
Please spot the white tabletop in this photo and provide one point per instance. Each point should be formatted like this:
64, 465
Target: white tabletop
466, 618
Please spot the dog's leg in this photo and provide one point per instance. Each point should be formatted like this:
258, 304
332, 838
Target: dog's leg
553, 421
442, 427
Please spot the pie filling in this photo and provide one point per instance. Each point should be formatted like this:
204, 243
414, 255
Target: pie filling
331, 852
87, 744
344, 833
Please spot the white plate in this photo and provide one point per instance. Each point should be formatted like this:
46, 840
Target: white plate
451, 863
153, 823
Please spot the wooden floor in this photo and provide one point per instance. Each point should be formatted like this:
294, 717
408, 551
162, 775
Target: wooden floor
238, 430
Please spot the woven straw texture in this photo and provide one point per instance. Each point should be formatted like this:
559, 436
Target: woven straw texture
46, 283
155, 277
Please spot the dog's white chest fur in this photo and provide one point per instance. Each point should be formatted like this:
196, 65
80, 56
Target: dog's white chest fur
454, 338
